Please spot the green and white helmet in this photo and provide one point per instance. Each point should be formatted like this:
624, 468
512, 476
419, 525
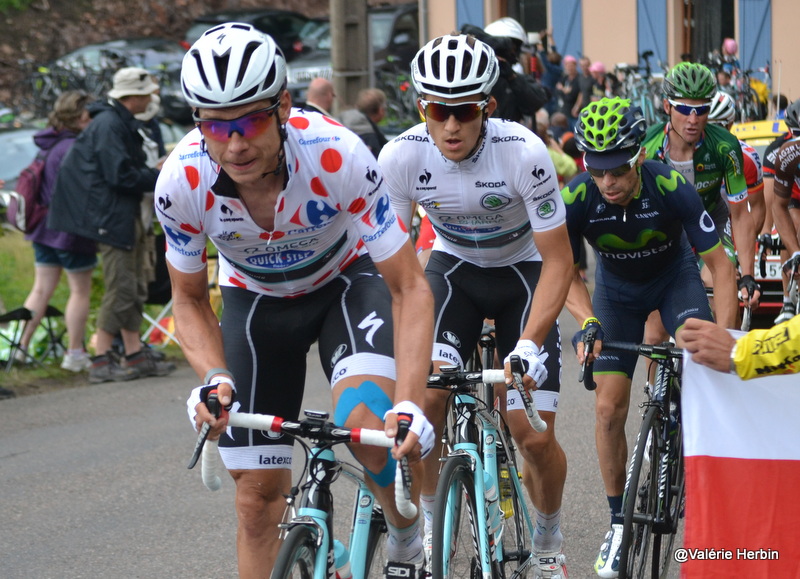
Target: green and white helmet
608, 125
690, 80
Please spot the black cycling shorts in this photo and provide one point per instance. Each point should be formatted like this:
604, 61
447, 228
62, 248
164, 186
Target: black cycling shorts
266, 340
622, 307
465, 294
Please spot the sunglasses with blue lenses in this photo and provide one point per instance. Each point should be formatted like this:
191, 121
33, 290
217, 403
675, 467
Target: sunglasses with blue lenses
687, 110
463, 112
248, 126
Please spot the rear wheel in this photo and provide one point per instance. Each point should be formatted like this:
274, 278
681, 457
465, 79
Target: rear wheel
457, 518
297, 555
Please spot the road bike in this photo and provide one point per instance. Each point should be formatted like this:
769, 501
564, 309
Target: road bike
309, 549
641, 88
653, 499
481, 523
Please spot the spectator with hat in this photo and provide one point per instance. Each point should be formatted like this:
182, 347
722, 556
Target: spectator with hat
97, 195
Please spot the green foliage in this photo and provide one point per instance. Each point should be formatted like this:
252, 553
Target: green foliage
8, 5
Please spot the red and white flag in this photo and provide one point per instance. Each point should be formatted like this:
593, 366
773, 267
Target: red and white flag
742, 448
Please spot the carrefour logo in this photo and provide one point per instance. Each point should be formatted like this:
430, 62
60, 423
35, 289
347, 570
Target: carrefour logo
280, 260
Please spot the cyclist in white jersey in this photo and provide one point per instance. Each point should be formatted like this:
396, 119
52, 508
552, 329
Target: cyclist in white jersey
491, 192
310, 249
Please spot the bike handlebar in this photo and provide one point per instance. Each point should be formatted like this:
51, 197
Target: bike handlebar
314, 429
654, 352
452, 377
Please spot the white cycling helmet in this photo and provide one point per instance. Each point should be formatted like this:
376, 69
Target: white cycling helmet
230, 65
507, 27
723, 109
453, 66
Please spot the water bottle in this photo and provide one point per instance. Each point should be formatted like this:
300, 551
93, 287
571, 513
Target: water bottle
495, 519
506, 504
341, 559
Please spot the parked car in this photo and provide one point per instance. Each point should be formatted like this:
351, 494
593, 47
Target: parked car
394, 33
94, 66
17, 150
284, 26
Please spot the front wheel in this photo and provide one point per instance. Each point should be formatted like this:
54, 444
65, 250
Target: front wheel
640, 500
458, 518
297, 555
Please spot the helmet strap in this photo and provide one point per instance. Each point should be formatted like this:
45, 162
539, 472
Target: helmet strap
281, 153
481, 136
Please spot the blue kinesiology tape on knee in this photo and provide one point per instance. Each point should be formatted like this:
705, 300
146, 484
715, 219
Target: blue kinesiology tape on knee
371, 395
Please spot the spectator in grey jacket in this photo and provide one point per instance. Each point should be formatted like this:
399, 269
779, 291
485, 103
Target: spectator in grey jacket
98, 194
363, 120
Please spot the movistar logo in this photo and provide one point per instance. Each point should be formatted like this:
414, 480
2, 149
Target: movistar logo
669, 184
570, 195
611, 242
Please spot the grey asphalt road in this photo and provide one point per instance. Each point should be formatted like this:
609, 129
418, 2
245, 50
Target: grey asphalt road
93, 482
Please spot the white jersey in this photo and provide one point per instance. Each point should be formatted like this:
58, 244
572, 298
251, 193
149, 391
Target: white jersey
334, 208
483, 208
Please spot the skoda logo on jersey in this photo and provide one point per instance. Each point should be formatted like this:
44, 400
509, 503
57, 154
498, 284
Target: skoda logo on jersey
546, 210
452, 338
493, 201
279, 260
338, 353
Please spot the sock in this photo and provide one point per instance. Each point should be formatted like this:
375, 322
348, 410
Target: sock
615, 505
426, 503
547, 537
404, 545
77, 352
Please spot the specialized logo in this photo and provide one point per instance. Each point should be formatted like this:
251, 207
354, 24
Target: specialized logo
546, 210
493, 201
373, 322
425, 177
452, 338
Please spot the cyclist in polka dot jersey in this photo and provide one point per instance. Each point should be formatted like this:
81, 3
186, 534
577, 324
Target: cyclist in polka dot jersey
310, 250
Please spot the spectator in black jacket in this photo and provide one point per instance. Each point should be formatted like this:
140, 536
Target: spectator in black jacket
364, 118
97, 195
517, 93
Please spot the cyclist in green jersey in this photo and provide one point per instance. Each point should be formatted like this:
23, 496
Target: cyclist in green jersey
708, 156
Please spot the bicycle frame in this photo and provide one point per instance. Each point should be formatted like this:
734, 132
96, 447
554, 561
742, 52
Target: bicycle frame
474, 427
316, 510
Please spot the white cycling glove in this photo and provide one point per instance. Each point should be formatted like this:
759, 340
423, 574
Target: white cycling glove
419, 423
196, 397
787, 265
535, 357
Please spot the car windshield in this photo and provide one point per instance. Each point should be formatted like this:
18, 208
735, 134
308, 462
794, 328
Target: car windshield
380, 28
18, 151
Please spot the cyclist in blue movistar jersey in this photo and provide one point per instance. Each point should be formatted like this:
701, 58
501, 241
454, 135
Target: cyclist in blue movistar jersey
640, 217
491, 193
310, 251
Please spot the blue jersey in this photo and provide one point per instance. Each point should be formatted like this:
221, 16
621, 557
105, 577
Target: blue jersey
637, 242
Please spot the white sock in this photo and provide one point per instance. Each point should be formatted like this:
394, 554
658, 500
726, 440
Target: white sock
547, 536
404, 545
426, 503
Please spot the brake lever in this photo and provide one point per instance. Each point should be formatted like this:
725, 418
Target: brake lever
215, 408
585, 374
